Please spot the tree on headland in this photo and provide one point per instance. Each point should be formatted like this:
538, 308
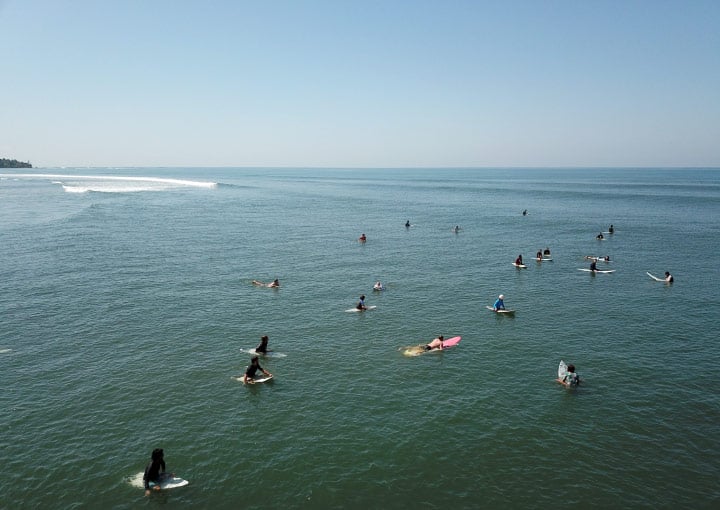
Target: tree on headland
13, 163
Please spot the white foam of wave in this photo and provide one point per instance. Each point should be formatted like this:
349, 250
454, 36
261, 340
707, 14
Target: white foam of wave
114, 183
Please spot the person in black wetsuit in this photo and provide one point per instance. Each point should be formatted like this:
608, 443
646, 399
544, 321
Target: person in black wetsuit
153, 470
262, 347
253, 368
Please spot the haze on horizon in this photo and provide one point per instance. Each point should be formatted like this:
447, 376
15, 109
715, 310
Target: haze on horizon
323, 83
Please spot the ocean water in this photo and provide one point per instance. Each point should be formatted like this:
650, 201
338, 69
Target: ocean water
126, 305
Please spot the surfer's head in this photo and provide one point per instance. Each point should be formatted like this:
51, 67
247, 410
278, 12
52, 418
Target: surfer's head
264, 338
571, 368
362, 297
255, 360
501, 296
157, 454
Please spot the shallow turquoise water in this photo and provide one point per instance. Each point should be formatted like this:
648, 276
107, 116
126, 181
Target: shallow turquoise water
123, 314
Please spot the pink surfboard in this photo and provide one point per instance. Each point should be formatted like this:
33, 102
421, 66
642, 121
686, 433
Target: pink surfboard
451, 341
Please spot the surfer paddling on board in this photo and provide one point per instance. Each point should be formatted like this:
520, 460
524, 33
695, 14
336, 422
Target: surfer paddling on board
153, 470
499, 303
570, 379
361, 304
436, 343
262, 347
252, 369
273, 284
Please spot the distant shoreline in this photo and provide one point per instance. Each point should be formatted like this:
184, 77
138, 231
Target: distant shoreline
13, 163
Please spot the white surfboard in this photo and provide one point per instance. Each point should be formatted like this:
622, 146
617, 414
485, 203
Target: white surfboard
252, 380
519, 266
562, 370
367, 309
655, 277
167, 481
544, 259
597, 270
501, 312
269, 354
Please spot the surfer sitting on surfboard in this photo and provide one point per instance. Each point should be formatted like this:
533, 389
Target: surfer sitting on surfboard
518, 260
547, 252
600, 236
155, 467
436, 343
253, 368
262, 347
362, 238
593, 266
361, 303
499, 303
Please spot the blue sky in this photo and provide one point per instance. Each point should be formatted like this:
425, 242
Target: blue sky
334, 83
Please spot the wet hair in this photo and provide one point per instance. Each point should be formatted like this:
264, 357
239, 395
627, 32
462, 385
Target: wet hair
255, 359
264, 338
571, 368
441, 337
157, 454
362, 297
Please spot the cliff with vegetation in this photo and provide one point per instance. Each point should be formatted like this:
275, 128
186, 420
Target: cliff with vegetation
13, 163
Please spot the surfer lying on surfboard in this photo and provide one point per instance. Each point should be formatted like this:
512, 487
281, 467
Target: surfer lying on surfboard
435, 343
272, 284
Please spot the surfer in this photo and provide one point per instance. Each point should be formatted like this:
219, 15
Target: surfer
538, 255
275, 283
456, 229
252, 369
600, 236
361, 304
499, 303
407, 224
436, 343
668, 277
546, 252
611, 230
378, 286
518, 260
525, 212
262, 347
571, 378
362, 238
153, 470
606, 258
593, 266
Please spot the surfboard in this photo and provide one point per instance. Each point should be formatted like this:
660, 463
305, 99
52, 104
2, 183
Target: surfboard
544, 259
501, 312
167, 481
562, 370
254, 380
519, 266
269, 354
417, 350
597, 270
656, 278
367, 309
